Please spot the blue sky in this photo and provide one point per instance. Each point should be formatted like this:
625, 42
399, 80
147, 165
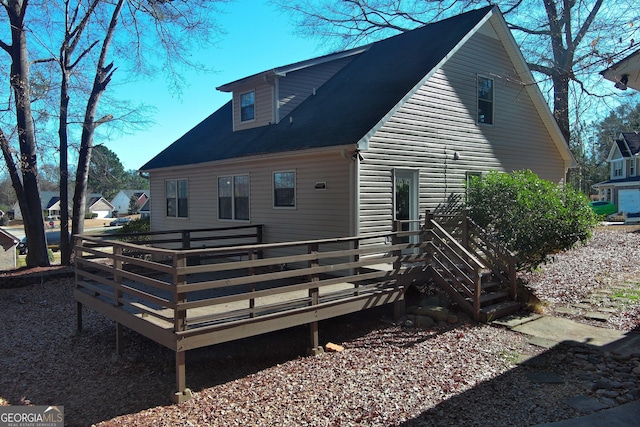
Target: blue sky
258, 37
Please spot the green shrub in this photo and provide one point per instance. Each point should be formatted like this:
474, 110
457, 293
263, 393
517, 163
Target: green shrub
532, 217
141, 225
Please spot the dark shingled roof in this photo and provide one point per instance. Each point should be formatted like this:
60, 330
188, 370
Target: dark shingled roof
632, 140
343, 110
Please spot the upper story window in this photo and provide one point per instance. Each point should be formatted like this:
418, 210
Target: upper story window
485, 100
632, 167
177, 196
233, 197
284, 189
248, 106
617, 168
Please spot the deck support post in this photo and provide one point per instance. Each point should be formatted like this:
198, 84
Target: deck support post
183, 394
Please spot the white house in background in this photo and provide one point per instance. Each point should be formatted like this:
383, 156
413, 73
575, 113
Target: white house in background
623, 186
50, 201
122, 200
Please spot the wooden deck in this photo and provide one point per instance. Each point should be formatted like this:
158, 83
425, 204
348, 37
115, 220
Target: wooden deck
189, 298
195, 288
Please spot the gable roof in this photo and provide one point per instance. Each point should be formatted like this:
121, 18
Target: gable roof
93, 199
631, 143
354, 102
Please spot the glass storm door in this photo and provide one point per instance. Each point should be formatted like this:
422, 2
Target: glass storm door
405, 201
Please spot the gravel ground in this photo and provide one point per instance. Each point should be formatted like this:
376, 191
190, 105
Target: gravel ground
446, 375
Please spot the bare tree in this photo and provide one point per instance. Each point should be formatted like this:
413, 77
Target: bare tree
565, 41
85, 38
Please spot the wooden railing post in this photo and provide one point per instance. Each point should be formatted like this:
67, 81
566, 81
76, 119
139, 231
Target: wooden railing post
180, 324
186, 239
513, 277
464, 239
252, 286
314, 295
428, 237
117, 294
395, 240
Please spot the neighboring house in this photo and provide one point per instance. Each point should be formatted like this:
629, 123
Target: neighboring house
623, 186
332, 146
50, 201
145, 210
99, 206
122, 200
8, 244
625, 73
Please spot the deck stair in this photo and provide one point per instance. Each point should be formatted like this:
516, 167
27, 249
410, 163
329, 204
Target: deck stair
477, 273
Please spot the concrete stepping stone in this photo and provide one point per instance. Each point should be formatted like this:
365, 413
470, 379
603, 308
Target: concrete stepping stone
594, 315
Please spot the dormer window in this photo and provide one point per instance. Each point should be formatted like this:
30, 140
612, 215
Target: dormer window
247, 106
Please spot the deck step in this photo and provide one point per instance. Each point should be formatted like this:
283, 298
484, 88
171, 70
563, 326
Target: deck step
496, 311
492, 296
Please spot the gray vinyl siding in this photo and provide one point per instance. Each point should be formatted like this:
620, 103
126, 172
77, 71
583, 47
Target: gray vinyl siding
439, 120
299, 85
318, 213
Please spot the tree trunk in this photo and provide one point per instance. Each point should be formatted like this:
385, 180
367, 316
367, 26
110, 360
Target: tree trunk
100, 82
31, 207
65, 242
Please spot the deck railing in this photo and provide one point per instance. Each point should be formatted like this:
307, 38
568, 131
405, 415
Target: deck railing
189, 298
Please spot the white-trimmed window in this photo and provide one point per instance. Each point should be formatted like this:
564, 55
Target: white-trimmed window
632, 167
485, 100
177, 195
284, 189
617, 168
233, 197
247, 106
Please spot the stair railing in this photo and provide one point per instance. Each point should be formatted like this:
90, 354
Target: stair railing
456, 269
493, 254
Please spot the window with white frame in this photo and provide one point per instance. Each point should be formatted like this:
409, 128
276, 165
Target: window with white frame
617, 168
247, 106
284, 189
485, 100
632, 167
177, 196
233, 197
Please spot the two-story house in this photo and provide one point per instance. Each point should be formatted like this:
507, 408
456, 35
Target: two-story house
623, 186
345, 143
